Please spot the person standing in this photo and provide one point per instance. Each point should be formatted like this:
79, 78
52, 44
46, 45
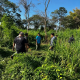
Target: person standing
21, 43
38, 41
52, 42
26, 37
71, 39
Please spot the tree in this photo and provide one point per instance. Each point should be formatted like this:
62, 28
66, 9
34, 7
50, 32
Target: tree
9, 30
58, 15
55, 18
7, 21
10, 9
46, 6
72, 21
61, 12
26, 4
36, 20
44, 14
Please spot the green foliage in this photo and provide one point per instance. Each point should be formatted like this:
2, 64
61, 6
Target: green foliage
61, 64
72, 20
58, 15
36, 20
7, 21
8, 31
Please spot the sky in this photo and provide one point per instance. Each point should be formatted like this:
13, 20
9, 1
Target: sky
69, 5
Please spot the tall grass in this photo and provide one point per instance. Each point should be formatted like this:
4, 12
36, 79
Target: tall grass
63, 63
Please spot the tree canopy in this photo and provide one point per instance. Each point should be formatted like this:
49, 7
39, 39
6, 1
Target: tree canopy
72, 20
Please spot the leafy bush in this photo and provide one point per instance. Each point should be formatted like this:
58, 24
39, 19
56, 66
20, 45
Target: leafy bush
61, 64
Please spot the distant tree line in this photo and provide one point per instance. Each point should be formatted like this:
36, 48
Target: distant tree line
59, 16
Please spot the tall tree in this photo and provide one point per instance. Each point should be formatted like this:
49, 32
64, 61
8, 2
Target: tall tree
36, 20
27, 5
46, 6
10, 8
58, 15
44, 14
62, 13
55, 18
72, 21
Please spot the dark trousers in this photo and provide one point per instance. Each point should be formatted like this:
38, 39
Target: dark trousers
38, 46
21, 51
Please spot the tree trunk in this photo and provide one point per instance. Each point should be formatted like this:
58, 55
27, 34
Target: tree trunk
45, 23
45, 31
28, 22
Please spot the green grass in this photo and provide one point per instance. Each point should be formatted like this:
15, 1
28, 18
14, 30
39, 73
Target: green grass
61, 64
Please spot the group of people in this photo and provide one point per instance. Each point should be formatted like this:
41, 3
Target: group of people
21, 42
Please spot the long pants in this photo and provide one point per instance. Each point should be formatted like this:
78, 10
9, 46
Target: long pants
37, 46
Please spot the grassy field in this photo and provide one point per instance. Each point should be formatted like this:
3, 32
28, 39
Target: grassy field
61, 64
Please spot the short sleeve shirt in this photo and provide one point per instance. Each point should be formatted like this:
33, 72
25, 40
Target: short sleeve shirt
20, 44
38, 39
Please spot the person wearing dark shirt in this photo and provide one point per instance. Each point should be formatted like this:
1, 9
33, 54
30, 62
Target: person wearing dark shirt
71, 39
21, 43
26, 37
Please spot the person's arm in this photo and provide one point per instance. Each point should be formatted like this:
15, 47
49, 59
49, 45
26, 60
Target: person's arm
36, 41
27, 47
14, 43
52, 44
13, 46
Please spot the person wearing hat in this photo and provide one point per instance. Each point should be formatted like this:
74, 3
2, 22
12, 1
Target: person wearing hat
20, 42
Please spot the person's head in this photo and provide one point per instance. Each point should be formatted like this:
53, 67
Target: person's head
26, 34
52, 34
21, 34
72, 35
56, 35
38, 34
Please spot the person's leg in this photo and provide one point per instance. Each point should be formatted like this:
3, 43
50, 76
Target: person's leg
38, 46
51, 48
14, 54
